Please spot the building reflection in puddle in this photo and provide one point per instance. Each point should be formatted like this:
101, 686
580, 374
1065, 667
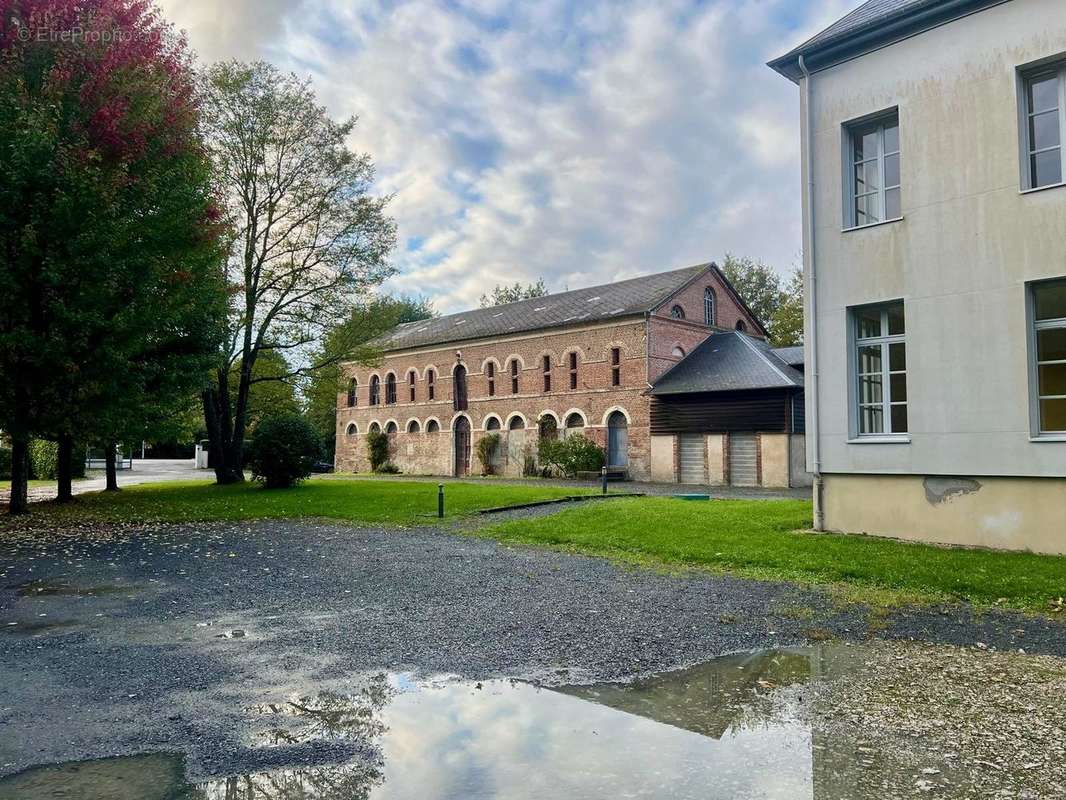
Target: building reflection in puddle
725, 729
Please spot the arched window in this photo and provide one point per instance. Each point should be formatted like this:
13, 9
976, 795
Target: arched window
514, 376
548, 428
677, 312
574, 423
617, 440
412, 376
492, 424
375, 391
431, 384
433, 426
459, 401
490, 373
351, 430
412, 426
375, 428
678, 352
353, 386
390, 389
708, 306
741, 326
391, 429
516, 424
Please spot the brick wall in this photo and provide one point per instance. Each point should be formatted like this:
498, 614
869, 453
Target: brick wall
593, 399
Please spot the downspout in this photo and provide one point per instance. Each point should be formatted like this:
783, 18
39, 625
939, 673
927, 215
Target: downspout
812, 267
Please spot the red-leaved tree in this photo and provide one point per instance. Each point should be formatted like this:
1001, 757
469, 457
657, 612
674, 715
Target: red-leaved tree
110, 237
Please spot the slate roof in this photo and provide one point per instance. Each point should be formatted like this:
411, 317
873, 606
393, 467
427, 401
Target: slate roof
892, 18
729, 362
610, 301
793, 356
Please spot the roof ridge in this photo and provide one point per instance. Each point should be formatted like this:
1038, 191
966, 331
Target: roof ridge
746, 339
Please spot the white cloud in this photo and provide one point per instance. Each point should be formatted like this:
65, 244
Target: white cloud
576, 141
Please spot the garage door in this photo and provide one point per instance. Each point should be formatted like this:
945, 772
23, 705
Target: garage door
743, 459
690, 450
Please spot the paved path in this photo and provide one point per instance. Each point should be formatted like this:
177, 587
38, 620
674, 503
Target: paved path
149, 470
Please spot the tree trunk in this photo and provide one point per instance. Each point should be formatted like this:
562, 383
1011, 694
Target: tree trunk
225, 430
65, 469
20, 474
109, 461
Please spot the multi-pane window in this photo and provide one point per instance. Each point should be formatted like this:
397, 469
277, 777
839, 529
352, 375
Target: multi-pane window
490, 373
880, 364
431, 385
514, 376
708, 306
375, 390
677, 312
1045, 101
874, 171
573, 370
390, 389
1049, 323
353, 388
459, 399
547, 369
411, 378
616, 366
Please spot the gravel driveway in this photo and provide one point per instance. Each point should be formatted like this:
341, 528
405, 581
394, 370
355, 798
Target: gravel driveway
162, 638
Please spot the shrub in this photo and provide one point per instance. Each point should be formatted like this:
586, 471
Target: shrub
388, 468
44, 456
5, 463
377, 449
487, 447
571, 455
282, 450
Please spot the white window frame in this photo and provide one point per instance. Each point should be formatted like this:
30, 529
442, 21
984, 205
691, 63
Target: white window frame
1034, 326
880, 119
1025, 77
884, 341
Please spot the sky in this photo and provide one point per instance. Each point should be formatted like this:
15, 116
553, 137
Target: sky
578, 141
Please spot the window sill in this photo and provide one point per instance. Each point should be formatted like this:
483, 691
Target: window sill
1049, 437
1059, 185
890, 439
871, 225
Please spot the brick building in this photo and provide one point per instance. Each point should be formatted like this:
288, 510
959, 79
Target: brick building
581, 360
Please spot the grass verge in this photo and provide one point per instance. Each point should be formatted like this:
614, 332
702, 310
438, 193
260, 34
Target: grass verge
397, 502
764, 539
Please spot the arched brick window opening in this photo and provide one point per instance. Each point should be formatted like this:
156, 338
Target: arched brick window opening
741, 326
353, 387
617, 440
573, 370
677, 312
548, 428
490, 373
412, 377
709, 306
574, 424
616, 366
433, 426
514, 376
546, 368
459, 401
516, 424
390, 389
413, 426
351, 430
431, 385
375, 391
678, 352
391, 429
492, 424
375, 428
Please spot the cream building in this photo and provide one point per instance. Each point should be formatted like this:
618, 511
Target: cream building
935, 264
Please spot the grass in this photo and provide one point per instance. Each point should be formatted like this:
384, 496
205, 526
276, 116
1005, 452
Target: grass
30, 484
396, 502
763, 539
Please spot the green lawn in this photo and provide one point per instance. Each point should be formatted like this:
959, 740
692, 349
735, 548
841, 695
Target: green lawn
759, 538
398, 502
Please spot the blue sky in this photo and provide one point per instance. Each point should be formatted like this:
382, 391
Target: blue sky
577, 141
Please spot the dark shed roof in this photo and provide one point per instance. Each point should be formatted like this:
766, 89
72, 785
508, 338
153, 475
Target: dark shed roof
624, 298
871, 25
728, 362
793, 356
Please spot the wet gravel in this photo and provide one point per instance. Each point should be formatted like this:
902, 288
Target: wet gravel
139, 639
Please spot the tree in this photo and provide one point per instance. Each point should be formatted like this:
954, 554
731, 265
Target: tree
309, 237
509, 294
367, 321
786, 325
108, 228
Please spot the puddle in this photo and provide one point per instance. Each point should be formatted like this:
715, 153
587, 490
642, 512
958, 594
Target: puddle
736, 728
35, 627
